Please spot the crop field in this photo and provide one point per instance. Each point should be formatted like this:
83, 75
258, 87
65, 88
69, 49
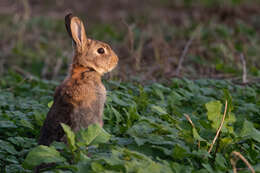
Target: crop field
185, 97
147, 128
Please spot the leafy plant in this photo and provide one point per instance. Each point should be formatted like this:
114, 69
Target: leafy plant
77, 143
145, 128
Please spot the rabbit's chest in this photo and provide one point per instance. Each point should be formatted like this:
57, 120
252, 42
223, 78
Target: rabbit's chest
101, 94
90, 109
93, 97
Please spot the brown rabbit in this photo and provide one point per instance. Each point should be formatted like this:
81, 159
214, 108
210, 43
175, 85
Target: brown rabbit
79, 100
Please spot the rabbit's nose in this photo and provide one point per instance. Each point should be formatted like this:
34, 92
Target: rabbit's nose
113, 62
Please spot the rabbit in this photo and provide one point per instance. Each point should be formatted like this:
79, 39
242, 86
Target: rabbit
79, 99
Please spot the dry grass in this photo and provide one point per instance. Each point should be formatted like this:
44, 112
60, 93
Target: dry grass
234, 158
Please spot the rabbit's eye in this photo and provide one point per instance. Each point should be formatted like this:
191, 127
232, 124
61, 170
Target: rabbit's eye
101, 50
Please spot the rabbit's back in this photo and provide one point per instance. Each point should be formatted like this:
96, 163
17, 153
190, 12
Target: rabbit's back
78, 102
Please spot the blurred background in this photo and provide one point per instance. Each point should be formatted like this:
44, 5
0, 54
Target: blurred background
154, 39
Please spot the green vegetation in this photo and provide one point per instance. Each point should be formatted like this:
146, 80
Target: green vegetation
165, 126
145, 128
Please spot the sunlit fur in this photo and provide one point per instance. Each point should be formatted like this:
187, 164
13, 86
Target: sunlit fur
101, 63
79, 99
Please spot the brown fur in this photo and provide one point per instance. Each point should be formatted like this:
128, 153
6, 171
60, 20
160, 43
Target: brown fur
79, 100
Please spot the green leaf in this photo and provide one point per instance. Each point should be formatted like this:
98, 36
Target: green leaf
50, 104
94, 134
7, 147
226, 141
97, 167
250, 131
22, 141
201, 153
12, 159
196, 135
208, 167
228, 123
14, 168
158, 110
42, 154
220, 160
7, 124
70, 136
26, 123
118, 101
102, 137
179, 152
117, 115
81, 156
82, 167
58, 145
214, 113
227, 97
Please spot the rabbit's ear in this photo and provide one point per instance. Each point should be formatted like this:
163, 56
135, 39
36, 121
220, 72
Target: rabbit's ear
67, 23
76, 30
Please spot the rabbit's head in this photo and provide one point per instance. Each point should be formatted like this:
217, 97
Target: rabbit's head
89, 53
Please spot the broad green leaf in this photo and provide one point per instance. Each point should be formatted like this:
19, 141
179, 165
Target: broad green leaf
140, 132
94, 134
179, 152
118, 101
39, 118
180, 168
140, 141
70, 136
22, 141
133, 114
58, 145
97, 167
82, 167
214, 113
228, 123
226, 141
102, 137
15, 168
228, 98
158, 109
12, 159
7, 147
220, 160
208, 167
166, 151
81, 156
25, 123
118, 116
7, 124
42, 154
250, 131
201, 153
196, 135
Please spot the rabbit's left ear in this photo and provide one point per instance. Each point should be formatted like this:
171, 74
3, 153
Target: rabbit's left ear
76, 30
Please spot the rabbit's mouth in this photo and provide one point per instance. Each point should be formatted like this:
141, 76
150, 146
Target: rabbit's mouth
102, 67
100, 71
